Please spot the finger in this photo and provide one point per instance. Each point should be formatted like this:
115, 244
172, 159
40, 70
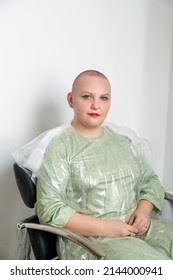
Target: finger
132, 219
139, 223
134, 230
143, 230
132, 234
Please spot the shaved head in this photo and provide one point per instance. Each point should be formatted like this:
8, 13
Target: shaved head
88, 73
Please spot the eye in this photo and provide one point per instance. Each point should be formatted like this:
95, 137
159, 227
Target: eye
104, 98
86, 96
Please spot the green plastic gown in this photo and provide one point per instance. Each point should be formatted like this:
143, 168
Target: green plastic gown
105, 178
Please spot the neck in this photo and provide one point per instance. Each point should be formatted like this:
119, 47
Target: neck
93, 132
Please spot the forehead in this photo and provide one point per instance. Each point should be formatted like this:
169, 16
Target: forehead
92, 83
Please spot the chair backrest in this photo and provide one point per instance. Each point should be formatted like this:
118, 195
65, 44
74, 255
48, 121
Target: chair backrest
43, 243
26, 186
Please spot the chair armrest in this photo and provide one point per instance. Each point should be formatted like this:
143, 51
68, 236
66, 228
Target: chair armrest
60, 231
169, 195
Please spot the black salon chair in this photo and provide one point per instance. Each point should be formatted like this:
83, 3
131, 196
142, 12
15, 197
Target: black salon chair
43, 237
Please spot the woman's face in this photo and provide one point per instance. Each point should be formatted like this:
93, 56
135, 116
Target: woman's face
90, 100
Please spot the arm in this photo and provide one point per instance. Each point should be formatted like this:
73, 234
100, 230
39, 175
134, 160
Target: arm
53, 179
150, 186
151, 196
91, 226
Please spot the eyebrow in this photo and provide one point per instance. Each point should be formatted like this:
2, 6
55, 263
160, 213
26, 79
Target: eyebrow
87, 92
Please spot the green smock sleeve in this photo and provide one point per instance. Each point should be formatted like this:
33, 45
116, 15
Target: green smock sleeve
150, 186
52, 184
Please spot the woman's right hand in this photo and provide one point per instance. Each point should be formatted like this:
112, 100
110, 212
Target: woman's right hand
91, 226
117, 228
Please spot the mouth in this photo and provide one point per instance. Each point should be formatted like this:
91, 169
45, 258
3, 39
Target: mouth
94, 115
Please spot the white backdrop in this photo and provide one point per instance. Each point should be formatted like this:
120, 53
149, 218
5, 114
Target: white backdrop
44, 44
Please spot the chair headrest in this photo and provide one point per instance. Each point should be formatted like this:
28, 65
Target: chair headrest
26, 186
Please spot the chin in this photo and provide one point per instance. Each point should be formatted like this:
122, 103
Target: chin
95, 124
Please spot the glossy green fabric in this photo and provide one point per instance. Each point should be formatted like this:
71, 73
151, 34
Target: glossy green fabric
105, 178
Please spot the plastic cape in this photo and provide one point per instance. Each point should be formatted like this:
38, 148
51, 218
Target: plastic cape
103, 177
30, 155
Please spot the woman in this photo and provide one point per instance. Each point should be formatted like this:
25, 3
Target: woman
94, 181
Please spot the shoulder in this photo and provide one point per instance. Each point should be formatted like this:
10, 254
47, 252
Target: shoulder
138, 144
122, 130
117, 134
61, 141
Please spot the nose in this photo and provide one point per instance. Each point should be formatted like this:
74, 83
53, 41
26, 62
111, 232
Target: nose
95, 104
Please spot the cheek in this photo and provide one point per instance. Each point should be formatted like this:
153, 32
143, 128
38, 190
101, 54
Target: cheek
106, 107
80, 107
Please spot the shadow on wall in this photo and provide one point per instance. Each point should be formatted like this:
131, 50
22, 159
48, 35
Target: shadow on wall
12, 208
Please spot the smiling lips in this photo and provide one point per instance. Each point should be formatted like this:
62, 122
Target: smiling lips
94, 115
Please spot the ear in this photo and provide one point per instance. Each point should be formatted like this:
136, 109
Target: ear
70, 99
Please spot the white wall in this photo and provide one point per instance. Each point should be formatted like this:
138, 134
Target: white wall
168, 167
157, 78
44, 44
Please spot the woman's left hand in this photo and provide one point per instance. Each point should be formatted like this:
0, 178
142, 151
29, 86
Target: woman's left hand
140, 220
141, 216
